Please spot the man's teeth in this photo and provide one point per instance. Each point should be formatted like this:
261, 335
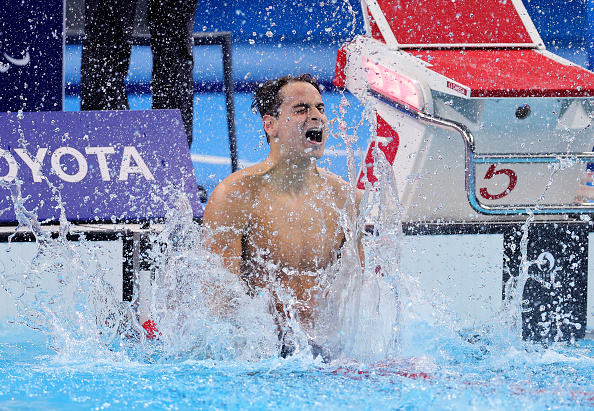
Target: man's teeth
315, 134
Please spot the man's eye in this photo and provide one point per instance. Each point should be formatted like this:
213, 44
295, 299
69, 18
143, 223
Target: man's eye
301, 111
321, 109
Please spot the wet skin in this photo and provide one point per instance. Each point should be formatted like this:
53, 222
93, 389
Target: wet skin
278, 221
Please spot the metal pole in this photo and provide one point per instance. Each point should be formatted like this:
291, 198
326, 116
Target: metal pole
224, 39
230, 99
590, 34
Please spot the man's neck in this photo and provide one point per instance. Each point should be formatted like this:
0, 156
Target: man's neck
292, 175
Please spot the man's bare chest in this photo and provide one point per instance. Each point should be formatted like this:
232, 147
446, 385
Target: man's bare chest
295, 231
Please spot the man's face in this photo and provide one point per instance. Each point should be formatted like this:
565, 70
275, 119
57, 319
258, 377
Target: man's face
301, 127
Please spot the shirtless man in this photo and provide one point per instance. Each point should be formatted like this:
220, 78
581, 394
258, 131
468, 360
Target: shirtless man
278, 221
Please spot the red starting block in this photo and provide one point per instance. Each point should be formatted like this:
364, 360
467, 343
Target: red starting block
481, 125
470, 105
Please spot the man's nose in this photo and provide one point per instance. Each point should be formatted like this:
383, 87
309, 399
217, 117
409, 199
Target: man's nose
315, 113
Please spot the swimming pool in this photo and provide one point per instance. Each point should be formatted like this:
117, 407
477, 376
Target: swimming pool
433, 364
423, 361
453, 376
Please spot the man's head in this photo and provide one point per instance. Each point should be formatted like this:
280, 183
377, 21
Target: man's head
268, 97
293, 117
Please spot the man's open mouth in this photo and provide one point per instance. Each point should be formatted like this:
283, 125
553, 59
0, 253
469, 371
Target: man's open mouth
315, 134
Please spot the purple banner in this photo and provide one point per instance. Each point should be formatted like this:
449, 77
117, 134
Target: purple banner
106, 165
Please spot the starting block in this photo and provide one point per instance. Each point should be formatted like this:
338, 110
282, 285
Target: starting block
482, 126
471, 106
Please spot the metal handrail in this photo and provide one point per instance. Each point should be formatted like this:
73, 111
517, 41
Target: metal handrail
472, 159
221, 38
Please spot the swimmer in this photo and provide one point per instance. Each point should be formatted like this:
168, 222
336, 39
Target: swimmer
277, 222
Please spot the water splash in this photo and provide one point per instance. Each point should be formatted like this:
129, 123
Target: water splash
203, 311
65, 295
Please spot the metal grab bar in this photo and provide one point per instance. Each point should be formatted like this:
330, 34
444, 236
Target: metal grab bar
472, 159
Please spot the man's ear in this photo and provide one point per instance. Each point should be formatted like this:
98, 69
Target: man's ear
269, 123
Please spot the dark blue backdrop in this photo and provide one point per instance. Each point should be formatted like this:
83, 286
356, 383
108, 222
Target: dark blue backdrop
31, 55
331, 21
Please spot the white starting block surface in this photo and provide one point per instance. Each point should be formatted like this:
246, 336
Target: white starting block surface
466, 269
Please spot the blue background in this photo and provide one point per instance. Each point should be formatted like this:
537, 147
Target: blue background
33, 26
331, 22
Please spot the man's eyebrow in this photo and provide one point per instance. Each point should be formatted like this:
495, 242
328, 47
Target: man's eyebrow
305, 105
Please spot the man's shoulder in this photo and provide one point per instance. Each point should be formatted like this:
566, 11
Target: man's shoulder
333, 179
339, 184
241, 181
231, 200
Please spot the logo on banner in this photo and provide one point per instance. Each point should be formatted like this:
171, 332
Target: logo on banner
547, 272
130, 162
106, 165
4, 67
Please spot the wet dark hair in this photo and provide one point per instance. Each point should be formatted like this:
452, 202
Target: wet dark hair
267, 99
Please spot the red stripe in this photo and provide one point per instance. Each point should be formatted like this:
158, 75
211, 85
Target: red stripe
390, 149
453, 22
509, 73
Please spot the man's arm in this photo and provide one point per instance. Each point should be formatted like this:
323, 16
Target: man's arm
226, 216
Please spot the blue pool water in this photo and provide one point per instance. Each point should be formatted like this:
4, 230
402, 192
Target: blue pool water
526, 377
398, 348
